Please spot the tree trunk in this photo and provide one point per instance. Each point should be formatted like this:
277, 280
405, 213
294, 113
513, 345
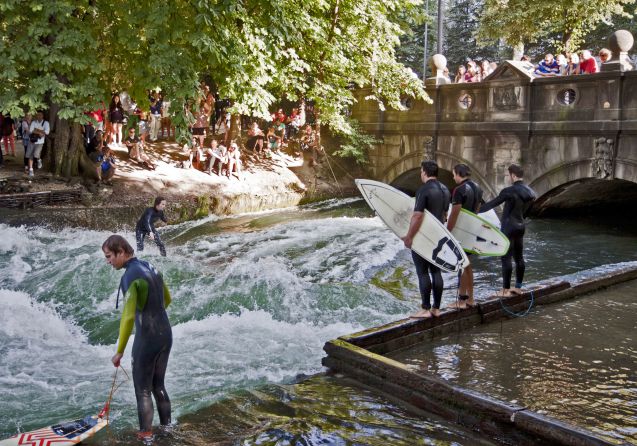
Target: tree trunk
65, 155
235, 127
518, 51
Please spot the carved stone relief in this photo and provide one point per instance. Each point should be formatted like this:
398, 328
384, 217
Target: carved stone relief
506, 98
429, 149
603, 161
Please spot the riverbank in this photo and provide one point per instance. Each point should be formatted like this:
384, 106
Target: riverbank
284, 180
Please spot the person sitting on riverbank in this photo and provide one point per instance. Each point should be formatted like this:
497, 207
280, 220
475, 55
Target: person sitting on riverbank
217, 156
274, 140
255, 139
136, 150
146, 225
234, 160
105, 165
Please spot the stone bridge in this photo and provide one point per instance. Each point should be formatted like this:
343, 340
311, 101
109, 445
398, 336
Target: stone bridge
575, 136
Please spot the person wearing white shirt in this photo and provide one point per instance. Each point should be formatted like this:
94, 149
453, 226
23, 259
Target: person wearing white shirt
38, 130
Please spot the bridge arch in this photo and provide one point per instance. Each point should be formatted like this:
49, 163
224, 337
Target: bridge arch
401, 171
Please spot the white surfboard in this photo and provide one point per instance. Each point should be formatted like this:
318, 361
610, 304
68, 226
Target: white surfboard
63, 434
432, 241
477, 235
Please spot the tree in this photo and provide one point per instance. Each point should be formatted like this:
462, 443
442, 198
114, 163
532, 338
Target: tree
520, 21
461, 28
69, 55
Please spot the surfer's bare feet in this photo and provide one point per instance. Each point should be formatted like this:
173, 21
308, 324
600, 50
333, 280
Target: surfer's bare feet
504, 292
460, 305
435, 312
422, 314
516, 291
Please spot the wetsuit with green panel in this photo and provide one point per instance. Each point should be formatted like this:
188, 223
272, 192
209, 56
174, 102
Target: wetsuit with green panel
146, 299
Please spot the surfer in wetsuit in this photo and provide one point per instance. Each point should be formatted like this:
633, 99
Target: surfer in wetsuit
434, 197
146, 225
517, 200
145, 300
467, 195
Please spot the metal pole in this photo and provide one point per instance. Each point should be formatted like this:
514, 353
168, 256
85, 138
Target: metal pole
424, 62
440, 20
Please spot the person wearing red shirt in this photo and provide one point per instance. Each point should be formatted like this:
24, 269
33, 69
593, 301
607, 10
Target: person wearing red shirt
588, 64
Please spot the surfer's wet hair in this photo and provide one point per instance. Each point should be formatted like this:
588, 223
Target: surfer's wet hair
116, 244
158, 201
430, 168
516, 170
462, 170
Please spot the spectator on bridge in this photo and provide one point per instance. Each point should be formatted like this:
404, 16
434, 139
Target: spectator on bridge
605, 55
573, 64
588, 64
486, 68
547, 67
562, 63
460, 73
472, 73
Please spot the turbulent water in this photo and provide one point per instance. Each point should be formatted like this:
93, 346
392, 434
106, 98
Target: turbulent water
255, 298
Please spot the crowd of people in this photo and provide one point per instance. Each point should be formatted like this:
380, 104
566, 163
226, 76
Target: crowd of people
572, 63
561, 65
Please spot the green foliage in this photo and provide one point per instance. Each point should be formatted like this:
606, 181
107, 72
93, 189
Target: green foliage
521, 21
461, 27
75, 53
355, 143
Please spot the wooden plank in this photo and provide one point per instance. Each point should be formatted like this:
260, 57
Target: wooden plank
457, 325
557, 431
404, 327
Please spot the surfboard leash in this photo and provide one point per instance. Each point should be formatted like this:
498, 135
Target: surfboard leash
106, 410
522, 313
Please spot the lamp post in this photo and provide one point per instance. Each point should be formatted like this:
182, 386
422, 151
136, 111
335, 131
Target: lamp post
440, 18
424, 61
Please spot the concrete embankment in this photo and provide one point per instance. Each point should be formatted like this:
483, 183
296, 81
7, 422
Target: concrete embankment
361, 356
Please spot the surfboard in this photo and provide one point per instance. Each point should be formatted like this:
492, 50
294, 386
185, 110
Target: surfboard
477, 235
63, 434
432, 242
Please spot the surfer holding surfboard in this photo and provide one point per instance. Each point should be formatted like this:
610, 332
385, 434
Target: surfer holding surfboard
434, 197
146, 298
517, 200
467, 195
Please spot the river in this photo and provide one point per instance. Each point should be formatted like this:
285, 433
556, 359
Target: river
255, 297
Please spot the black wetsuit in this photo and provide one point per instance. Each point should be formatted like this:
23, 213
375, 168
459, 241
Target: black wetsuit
434, 197
147, 296
146, 225
467, 194
517, 200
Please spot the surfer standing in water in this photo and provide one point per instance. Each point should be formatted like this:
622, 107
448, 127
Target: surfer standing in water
146, 225
434, 197
145, 300
517, 200
467, 195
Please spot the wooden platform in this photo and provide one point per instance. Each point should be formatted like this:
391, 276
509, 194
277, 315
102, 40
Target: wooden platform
360, 355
